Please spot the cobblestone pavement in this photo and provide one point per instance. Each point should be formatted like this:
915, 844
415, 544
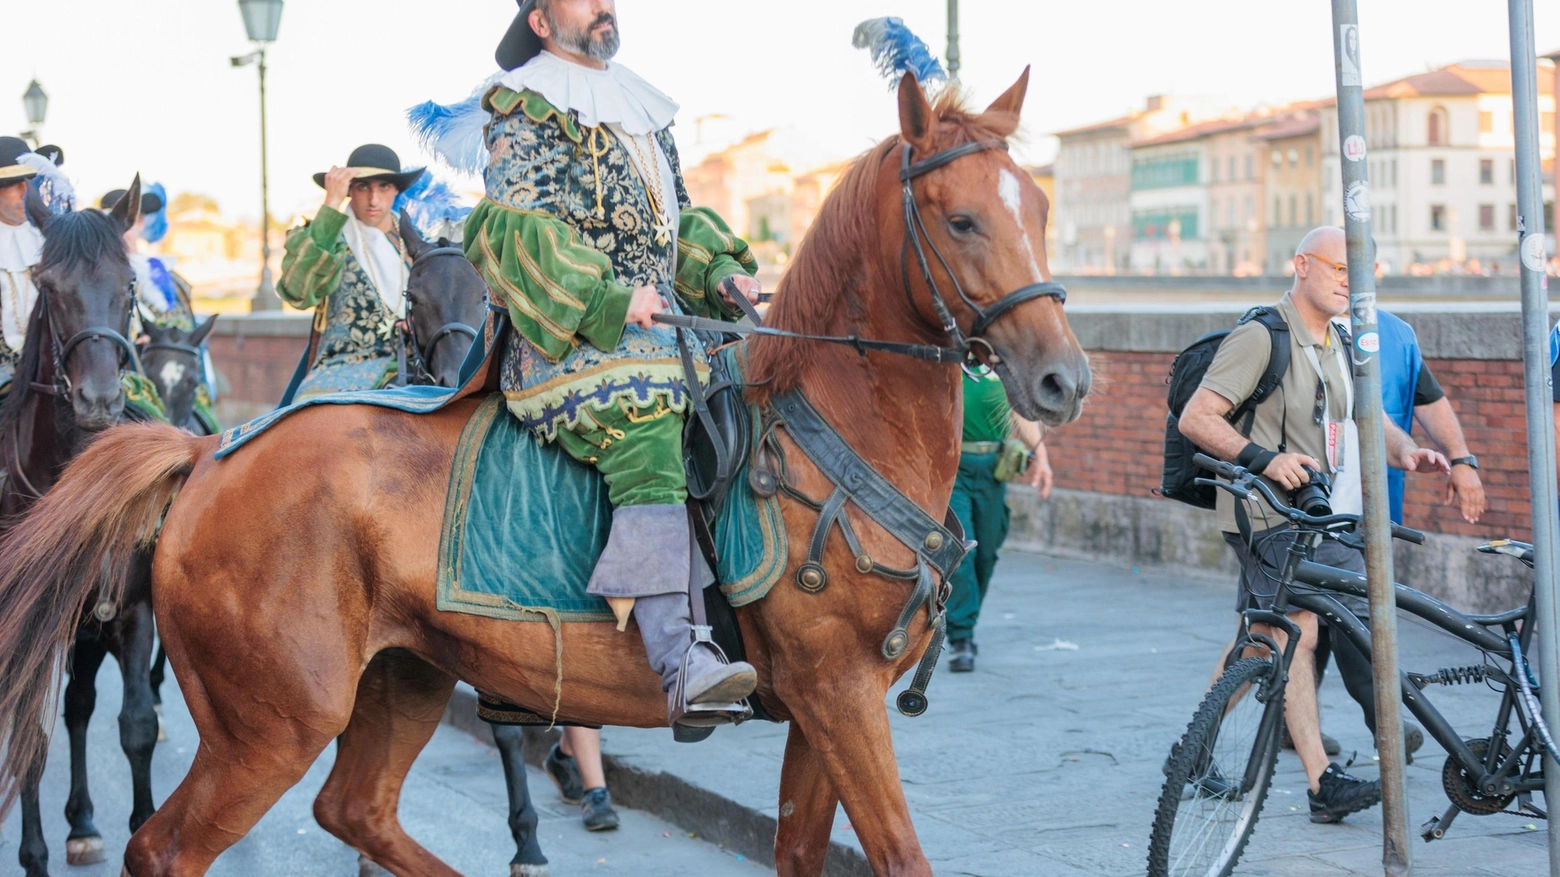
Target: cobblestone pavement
453, 804
1046, 760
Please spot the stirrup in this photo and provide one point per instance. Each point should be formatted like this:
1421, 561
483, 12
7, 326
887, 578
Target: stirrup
692, 722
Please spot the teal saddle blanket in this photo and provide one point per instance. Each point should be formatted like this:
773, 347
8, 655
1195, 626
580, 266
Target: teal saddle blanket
524, 523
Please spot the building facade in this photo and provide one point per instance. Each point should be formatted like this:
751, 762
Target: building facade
1292, 198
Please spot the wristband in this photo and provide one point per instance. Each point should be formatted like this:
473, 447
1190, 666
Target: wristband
1254, 458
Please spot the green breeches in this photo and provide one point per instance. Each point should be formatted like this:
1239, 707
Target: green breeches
980, 502
637, 450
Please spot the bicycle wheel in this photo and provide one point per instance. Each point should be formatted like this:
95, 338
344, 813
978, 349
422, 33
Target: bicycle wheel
1217, 778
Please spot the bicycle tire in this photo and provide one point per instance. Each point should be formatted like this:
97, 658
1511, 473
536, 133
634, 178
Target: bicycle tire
1235, 689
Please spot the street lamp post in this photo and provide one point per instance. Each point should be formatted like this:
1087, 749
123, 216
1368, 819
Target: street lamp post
36, 103
953, 39
262, 19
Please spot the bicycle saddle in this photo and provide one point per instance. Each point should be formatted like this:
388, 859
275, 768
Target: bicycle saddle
1511, 548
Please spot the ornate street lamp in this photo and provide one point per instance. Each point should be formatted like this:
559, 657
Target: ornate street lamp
262, 19
36, 103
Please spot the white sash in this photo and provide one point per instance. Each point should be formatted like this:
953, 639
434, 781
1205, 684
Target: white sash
381, 261
21, 246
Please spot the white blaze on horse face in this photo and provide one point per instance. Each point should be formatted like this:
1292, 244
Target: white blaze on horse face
172, 372
1012, 194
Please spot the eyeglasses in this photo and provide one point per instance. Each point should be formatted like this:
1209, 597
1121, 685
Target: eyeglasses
1340, 272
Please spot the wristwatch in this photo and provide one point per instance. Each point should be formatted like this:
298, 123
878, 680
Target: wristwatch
1470, 461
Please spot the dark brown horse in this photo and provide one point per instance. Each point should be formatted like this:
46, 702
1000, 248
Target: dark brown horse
283, 571
67, 391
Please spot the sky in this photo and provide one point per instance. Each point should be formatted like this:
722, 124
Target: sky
146, 85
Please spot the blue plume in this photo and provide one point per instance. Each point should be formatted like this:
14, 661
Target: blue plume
163, 282
453, 132
156, 227
52, 184
896, 50
433, 207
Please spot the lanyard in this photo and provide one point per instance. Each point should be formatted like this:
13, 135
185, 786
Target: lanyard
1321, 378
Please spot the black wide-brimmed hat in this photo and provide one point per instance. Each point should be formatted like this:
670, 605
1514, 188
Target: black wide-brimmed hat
11, 170
520, 43
150, 203
375, 162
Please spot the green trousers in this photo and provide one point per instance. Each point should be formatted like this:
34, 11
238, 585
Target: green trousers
637, 450
980, 503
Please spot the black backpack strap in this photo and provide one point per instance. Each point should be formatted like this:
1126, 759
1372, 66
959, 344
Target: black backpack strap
1272, 376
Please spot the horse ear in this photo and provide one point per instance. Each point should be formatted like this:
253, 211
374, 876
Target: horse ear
128, 210
410, 237
1003, 114
917, 121
37, 211
198, 337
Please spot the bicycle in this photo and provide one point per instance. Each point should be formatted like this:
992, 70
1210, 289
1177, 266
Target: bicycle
1218, 774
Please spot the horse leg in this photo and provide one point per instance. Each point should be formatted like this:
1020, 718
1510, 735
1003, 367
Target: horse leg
847, 729
33, 852
84, 845
807, 805
138, 724
159, 672
400, 700
523, 819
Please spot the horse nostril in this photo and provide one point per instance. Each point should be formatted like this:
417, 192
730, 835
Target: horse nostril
1055, 389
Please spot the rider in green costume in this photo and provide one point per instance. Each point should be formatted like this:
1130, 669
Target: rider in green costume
980, 502
585, 233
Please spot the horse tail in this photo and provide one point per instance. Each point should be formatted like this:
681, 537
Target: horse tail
73, 549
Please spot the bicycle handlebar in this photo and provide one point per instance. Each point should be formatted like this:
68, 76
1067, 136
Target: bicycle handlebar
1239, 482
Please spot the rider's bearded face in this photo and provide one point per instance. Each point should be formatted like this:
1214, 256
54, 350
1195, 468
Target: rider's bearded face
13, 203
582, 27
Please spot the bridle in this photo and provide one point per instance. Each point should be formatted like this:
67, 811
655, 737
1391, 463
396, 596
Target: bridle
961, 345
423, 352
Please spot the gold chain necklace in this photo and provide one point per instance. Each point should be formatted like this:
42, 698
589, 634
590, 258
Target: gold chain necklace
16, 301
650, 170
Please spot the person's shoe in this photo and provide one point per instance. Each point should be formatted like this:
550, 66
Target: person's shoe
1413, 739
596, 810
1211, 782
961, 656
1341, 794
565, 774
1329, 745
701, 689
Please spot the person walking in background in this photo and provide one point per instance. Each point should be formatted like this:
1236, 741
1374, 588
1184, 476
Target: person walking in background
998, 447
574, 764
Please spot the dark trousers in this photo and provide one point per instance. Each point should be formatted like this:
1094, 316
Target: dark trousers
980, 503
1353, 666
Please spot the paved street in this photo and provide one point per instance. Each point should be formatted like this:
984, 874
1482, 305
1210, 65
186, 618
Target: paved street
1046, 760
453, 803
1043, 762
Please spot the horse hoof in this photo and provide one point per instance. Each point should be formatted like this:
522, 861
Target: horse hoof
367, 868
84, 851
517, 870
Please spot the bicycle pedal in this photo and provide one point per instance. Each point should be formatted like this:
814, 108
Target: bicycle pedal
1526, 805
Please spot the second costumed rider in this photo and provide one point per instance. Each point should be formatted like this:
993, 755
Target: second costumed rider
585, 218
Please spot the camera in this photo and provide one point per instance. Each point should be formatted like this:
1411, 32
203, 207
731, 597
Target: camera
1313, 496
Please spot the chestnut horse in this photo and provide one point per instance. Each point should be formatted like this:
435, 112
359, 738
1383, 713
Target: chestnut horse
281, 572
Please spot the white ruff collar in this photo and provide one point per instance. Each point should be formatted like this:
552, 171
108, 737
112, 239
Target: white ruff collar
615, 95
21, 246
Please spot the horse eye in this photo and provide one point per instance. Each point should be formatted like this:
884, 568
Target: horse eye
961, 224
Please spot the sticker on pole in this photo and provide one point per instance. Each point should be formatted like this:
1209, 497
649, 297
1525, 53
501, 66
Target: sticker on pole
1349, 54
1356, 201
1533, 252
1354, 147
1368, 342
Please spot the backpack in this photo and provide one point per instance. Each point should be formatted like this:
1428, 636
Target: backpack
1179, 478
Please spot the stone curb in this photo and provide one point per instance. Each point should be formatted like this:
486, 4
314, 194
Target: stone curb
707, 813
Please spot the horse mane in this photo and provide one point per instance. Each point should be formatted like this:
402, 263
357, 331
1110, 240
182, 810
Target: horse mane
70, 239
830, 267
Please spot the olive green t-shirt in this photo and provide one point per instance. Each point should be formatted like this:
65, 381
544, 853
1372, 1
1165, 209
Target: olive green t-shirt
1286, 420
987, 416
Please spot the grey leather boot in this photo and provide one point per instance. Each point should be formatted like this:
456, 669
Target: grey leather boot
692, 673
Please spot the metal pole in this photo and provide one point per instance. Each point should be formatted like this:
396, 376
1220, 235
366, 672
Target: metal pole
1372, 429
1536, 383
953, 39
265, 297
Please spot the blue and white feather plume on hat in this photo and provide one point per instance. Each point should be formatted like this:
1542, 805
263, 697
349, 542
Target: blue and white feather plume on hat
453, 132
156, 227
53, 186
434, 208
896, 50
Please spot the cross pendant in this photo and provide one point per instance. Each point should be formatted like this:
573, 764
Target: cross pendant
664, 233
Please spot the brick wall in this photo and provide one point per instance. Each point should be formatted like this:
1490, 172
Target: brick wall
1116, 447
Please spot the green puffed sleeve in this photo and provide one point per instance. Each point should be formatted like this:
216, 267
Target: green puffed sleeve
557, 288
315, 256
707, 253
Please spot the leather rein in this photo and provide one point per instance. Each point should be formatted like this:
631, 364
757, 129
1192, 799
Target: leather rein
916, 240
424, 351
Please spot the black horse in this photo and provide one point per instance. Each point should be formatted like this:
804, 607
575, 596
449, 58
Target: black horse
67, 389
446, 308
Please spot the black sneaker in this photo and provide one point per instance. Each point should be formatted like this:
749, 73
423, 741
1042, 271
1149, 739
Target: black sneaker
1341, 795
1208, 780
1329, 745
961, 656
596, 810
565, 774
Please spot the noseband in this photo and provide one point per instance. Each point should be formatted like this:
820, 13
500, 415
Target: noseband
424, 352
62, 351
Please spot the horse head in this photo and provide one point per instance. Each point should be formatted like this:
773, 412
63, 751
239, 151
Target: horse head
85, 286
983, 219
446, 304
174, 361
